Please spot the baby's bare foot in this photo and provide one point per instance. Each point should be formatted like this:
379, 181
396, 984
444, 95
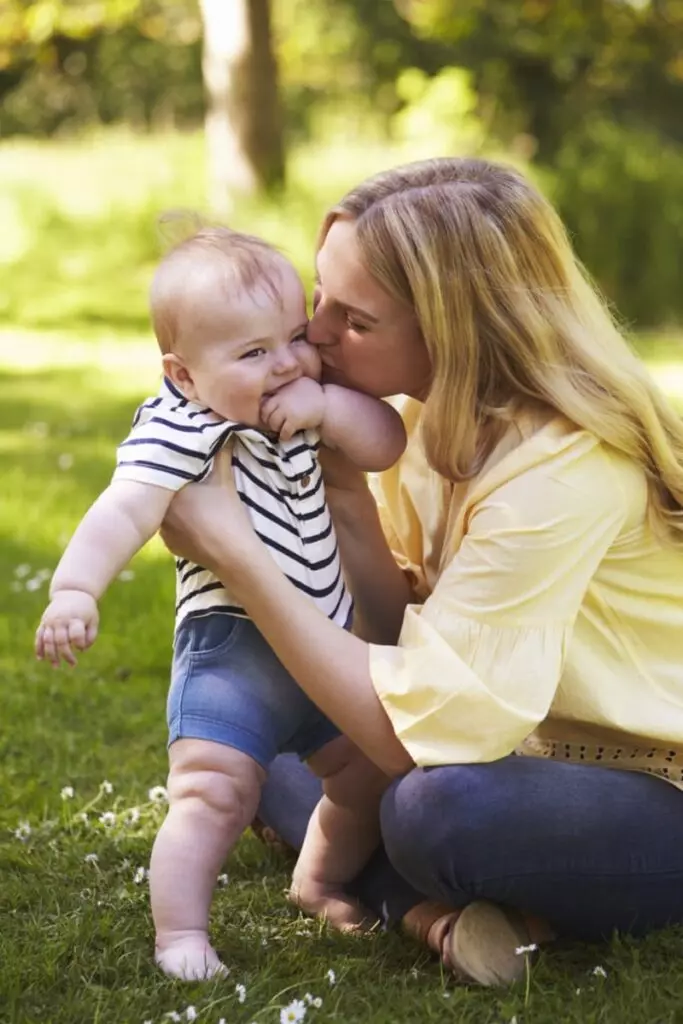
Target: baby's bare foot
330, 903
188, 956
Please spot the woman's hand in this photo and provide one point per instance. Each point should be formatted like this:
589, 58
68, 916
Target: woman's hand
207, 523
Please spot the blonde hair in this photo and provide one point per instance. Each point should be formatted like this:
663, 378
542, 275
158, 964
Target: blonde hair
510, 320
241, 262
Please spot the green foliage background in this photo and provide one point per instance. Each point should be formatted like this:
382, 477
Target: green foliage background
586, 92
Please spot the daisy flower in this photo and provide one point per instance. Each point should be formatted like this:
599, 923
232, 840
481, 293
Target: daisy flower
22, 831
295, 1012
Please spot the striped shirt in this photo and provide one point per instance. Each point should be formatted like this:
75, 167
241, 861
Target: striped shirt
174, 442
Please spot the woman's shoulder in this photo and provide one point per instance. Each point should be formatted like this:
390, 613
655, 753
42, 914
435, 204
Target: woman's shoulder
550, 445
535, 442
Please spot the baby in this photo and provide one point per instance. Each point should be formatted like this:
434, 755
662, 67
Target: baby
229, 313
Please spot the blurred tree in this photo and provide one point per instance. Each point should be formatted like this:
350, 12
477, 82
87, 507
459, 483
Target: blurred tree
67, 63
243, 119
540, 66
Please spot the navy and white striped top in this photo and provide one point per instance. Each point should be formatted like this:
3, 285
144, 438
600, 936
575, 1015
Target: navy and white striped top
174, 442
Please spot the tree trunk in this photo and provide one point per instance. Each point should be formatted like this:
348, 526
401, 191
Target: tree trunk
243, 118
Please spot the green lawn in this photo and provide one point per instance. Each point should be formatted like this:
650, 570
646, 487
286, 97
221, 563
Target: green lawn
77, 247
76, 937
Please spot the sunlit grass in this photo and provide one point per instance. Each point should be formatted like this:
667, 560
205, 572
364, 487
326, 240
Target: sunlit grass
76, 941
78, 245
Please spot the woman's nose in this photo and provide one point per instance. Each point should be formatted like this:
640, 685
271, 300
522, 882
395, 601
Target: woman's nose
320, 330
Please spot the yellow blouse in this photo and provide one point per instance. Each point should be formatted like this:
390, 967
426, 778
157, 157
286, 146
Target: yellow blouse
551, 617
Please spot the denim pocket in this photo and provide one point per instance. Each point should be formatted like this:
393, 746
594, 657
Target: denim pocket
209, 636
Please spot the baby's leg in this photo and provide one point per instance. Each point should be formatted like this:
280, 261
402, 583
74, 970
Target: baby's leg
213, 792
342, 833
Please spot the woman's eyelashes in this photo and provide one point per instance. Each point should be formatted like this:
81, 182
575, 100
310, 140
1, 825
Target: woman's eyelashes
253, 353
355, 326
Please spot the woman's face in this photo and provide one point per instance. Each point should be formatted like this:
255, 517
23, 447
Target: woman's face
367, 339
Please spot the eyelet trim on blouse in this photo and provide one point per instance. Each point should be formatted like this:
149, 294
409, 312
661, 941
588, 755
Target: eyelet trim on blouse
666, 763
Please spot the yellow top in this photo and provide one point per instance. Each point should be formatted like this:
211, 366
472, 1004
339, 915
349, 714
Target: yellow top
551, 620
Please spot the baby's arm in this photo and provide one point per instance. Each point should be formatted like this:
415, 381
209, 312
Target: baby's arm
367, 430
120, 522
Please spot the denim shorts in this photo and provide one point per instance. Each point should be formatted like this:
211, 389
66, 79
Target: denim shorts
228, 686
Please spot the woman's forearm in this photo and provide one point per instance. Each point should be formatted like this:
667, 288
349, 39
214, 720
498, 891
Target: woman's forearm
330, 664
380, 589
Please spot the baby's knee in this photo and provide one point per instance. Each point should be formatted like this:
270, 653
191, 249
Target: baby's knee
348, 776
215, 781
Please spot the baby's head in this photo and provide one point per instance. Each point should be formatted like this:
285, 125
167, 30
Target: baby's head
229, 313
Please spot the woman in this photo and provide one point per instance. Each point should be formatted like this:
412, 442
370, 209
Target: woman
522, 593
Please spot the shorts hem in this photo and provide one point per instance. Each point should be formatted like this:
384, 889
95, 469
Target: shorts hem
194, 727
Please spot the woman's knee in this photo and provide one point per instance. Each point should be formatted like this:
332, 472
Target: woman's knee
435, 821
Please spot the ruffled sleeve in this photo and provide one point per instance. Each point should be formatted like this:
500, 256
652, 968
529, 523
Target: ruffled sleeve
478, 664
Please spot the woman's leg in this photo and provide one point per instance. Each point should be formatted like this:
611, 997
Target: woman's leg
590, 850
288, 799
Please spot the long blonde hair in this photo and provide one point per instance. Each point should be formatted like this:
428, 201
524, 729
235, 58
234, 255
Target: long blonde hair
510, 320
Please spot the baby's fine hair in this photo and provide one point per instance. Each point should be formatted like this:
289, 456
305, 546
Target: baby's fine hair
241, 263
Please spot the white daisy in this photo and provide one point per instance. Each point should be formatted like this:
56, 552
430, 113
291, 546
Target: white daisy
67, 793
22, 831
91, 858
241, 993
107, 819
317, 1002
331, 976
190, 1013
222, 879
127, 575
523, 950
133, 816
140, 875
158, 794
106, 786
295, 1012
599, 972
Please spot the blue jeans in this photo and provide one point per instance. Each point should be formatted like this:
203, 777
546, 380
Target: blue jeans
591, 850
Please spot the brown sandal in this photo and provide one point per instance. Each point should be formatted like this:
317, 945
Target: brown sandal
479, 943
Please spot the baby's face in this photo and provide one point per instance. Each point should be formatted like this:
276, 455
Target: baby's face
243, 350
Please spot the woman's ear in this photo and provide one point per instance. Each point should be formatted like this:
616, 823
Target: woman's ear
178, 374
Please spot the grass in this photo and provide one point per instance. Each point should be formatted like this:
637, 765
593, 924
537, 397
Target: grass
76, 937
76, 940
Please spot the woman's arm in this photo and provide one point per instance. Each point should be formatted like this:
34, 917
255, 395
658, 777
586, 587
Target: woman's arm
208, 523
330, 664
380, 589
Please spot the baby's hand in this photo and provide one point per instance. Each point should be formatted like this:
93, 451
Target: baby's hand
70, 620
296, 406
